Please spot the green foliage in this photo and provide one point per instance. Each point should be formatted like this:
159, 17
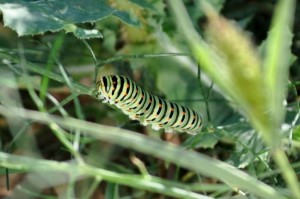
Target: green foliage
254, 88
63, 143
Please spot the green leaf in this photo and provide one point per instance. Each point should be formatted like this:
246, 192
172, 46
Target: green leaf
126, 17
248, 148
10, 171
296, 133
36, 17
277, 58
112, 191
143, 4
205, 139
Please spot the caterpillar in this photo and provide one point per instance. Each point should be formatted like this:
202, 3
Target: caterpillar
139, 105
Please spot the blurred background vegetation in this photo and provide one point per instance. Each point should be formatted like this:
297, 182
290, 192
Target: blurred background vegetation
51, 55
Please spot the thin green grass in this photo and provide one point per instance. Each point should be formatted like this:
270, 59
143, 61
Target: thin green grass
153, 147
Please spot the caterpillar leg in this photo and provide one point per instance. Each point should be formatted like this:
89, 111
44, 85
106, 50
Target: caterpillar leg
156, 127
192, 133
132, 116
168, 130
144, 122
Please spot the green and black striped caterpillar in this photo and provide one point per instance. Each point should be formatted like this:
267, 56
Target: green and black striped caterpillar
146, 108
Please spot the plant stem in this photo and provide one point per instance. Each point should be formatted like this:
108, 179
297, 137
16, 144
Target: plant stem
287, 171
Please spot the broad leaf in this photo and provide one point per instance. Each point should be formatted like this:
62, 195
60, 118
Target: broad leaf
35, 17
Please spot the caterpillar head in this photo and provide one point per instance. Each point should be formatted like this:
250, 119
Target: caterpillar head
101, 88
